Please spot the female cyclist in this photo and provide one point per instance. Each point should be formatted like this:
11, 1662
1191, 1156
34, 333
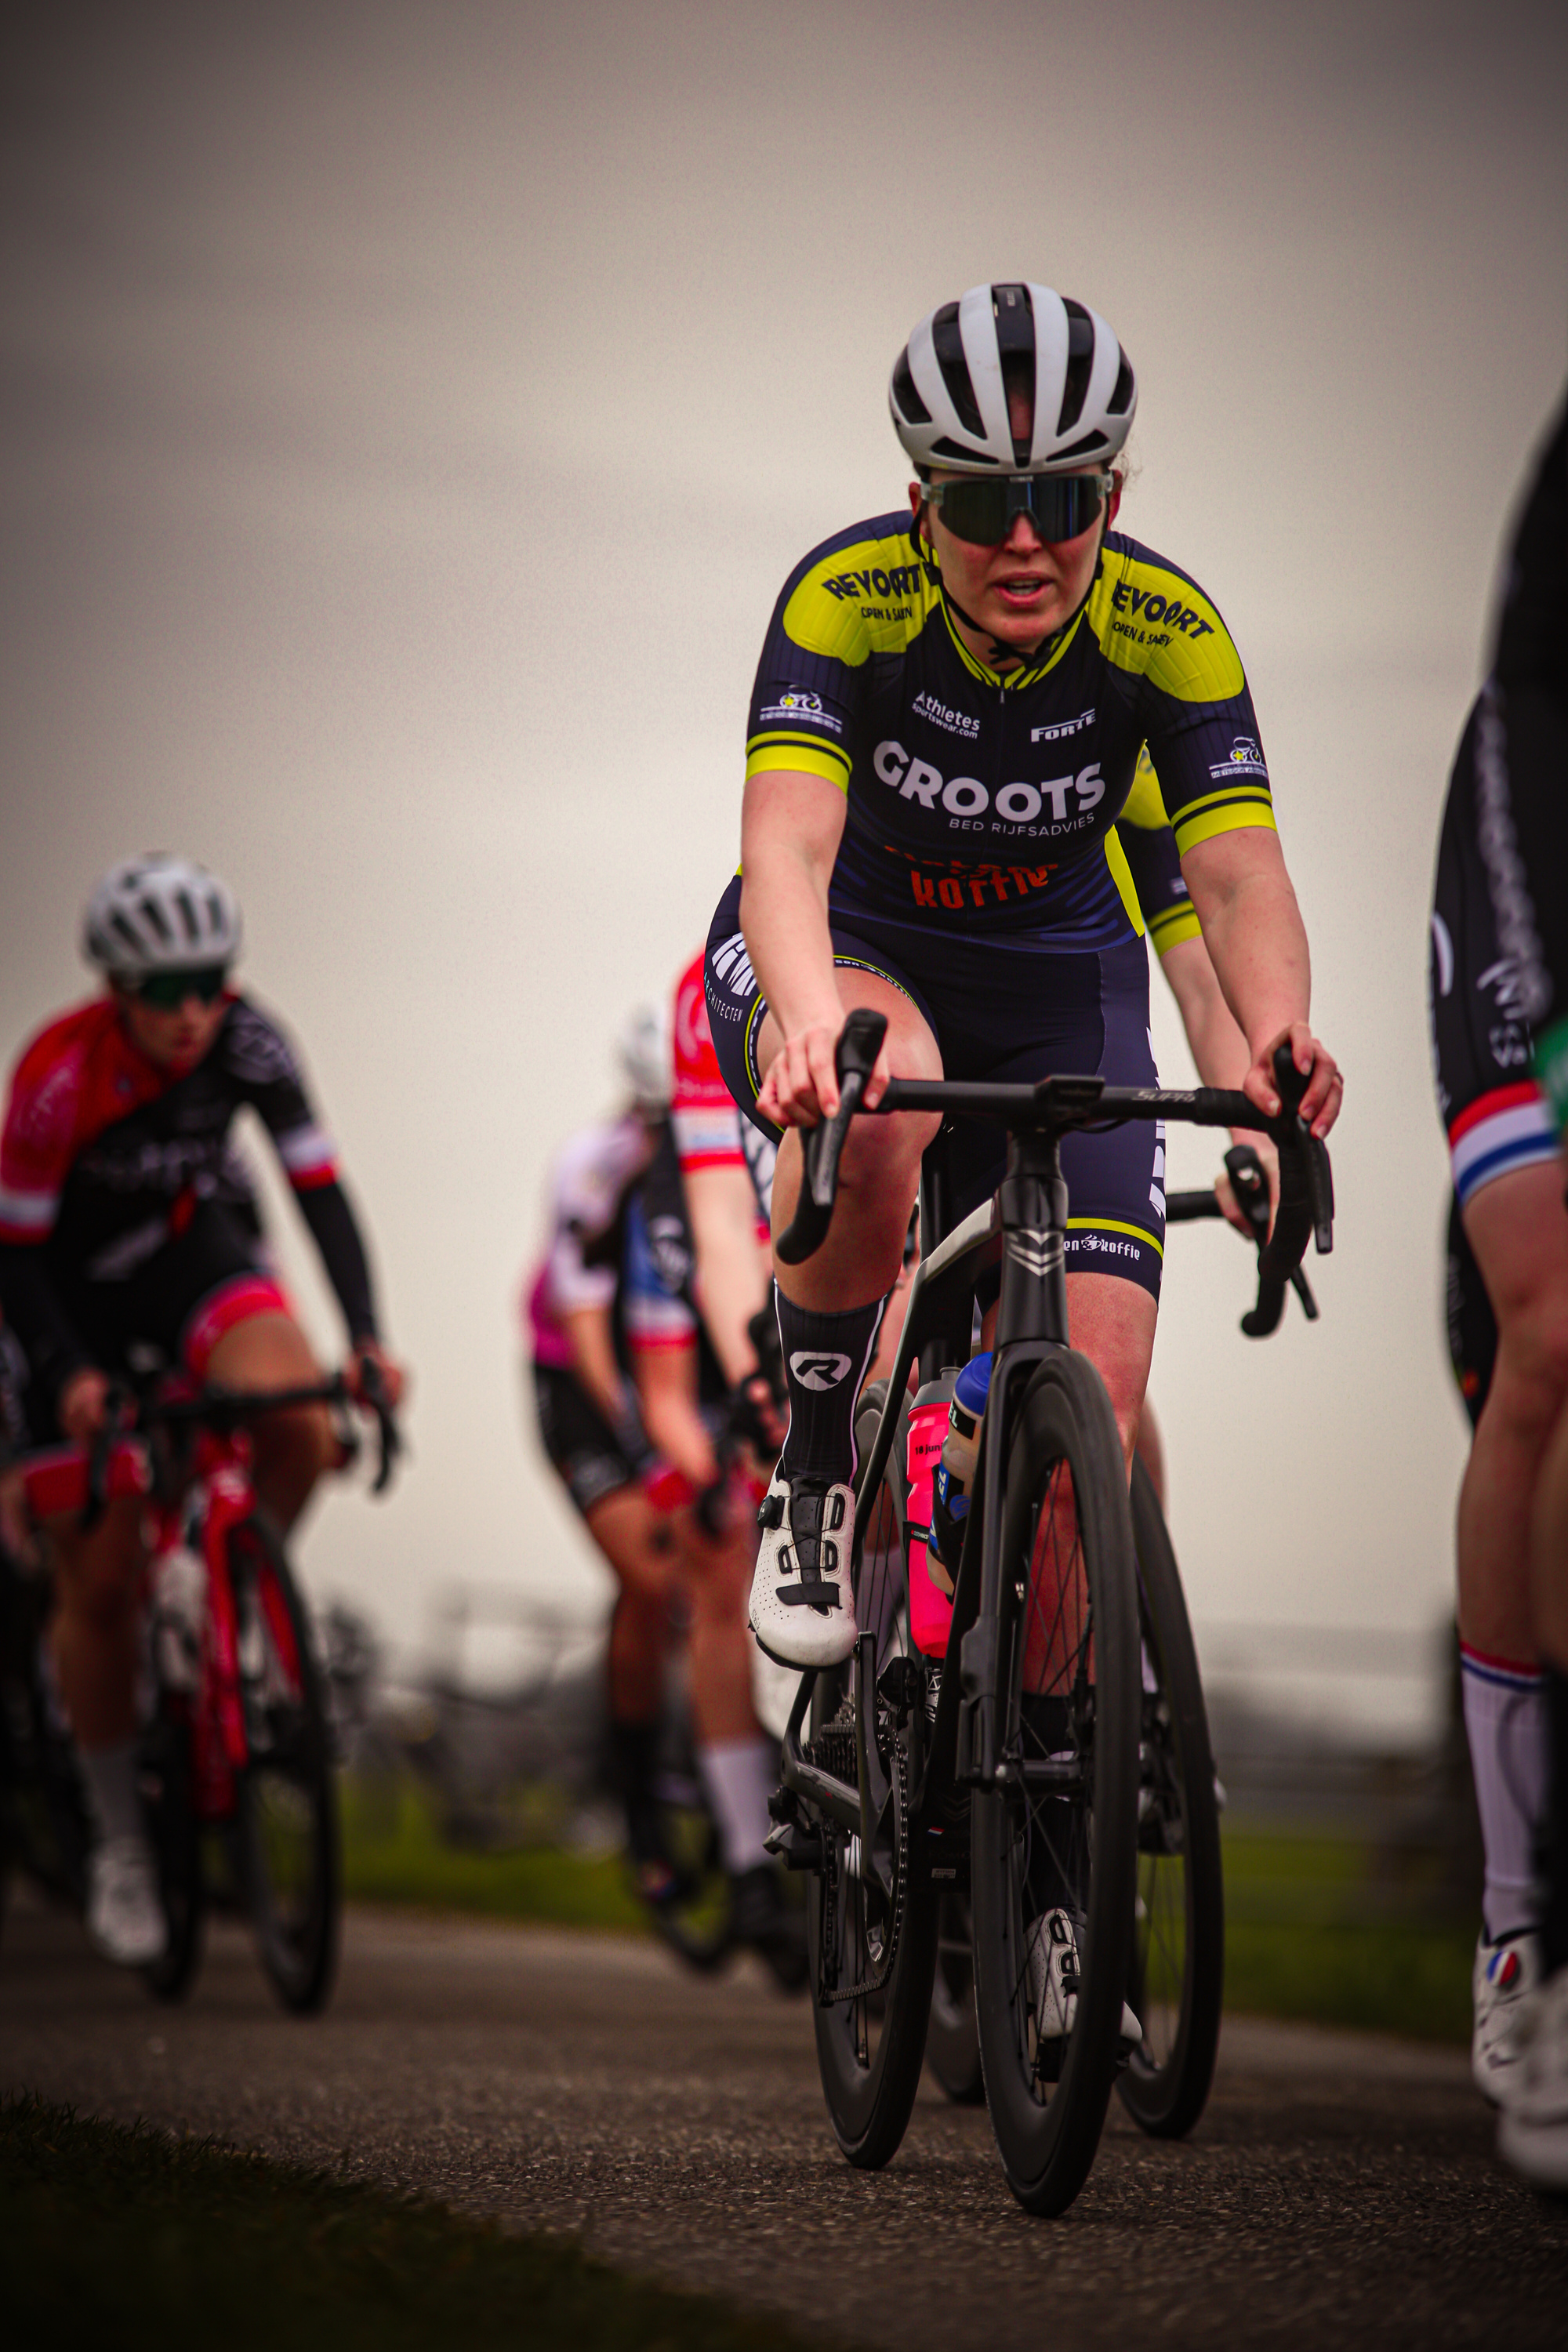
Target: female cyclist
947, 721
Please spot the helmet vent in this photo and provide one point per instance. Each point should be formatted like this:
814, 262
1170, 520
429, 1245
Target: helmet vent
1120, 400
910, 406
960, 455
948, 344
1080, 364
153, 915
188, 913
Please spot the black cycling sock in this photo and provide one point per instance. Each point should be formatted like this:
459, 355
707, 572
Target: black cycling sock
1551, 1843
633, 1754
826, 1357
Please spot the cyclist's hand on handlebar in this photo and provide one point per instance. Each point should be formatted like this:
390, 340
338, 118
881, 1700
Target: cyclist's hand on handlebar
392, 1377
1325, 1088
802, 1085
83, 1404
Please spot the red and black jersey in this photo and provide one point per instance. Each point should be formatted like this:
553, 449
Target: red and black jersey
104, 1156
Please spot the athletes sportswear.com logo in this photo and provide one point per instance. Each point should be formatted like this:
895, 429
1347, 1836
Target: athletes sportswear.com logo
939, 714
818, 1371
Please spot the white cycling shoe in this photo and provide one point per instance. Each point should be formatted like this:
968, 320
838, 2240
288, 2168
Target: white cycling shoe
1532, 2133
124, 1915
1504, 1974
803, 1610
1054, 1978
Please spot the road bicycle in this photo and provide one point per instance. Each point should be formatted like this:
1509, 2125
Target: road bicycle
238, 1750
1177, 1982
1059, 1739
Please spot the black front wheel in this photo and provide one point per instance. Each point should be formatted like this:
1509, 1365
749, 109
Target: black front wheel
1053, 1846
1178, 1963
289, 1841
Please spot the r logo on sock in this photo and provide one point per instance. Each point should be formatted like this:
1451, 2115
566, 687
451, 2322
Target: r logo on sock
818, 1371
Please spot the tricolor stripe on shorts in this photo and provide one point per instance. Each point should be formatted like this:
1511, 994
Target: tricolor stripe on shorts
1508, 1128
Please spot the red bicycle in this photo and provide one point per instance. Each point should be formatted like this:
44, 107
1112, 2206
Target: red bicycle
239, 1749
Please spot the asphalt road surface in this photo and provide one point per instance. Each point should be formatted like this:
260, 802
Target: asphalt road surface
1341, 2191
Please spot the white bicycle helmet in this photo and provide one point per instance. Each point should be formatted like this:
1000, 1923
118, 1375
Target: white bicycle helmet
949, 392
642, 1053
159, 913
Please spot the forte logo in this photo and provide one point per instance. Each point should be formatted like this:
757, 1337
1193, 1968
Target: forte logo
965, 796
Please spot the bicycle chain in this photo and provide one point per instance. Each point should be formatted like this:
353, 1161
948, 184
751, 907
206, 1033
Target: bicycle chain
879, 1977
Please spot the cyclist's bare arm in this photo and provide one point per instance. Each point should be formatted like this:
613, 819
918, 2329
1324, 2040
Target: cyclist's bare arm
1253, 928
791, 826
731, 1278
1219, 1052
666, 1379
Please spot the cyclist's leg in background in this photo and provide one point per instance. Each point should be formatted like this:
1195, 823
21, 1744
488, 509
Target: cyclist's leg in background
1518, 1231
266, 1350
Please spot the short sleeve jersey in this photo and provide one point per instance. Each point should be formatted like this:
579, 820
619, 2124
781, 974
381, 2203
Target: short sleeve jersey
1150, 846
99, 1145
988, 805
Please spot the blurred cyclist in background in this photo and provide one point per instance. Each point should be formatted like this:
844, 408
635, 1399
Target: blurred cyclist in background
632, 1397
130, 1242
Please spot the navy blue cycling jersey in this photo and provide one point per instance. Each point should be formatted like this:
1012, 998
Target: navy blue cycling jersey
983, 805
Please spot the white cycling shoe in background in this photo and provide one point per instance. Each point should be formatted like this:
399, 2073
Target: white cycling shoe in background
803, 1610
1532, 2133
124, 1915
1054, 1982
1504, 1975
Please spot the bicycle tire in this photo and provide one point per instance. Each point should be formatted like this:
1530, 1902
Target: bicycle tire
1076, 1851
289, 1842
953, 2041
168, 1806
871, 2050
1177, 1981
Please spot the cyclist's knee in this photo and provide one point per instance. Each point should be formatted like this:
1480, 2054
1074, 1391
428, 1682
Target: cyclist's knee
1530, 1382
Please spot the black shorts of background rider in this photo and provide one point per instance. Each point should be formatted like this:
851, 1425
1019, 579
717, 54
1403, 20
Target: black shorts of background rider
1000, 1008
583, 1448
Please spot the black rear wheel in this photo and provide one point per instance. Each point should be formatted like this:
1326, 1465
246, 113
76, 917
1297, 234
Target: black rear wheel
870, 1923
1053, 1849
1177, 1982
288, 1802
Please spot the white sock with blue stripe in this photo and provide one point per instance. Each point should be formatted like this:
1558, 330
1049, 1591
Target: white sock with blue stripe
1505, 1721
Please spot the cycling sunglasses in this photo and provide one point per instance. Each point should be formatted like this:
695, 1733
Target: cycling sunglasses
165, 992
980, 510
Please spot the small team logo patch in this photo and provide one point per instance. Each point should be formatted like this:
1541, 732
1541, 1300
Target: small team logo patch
818, 1371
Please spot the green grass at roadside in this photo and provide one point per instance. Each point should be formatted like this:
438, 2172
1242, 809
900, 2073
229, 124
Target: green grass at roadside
1307, 1937
394, 1852
129, 2238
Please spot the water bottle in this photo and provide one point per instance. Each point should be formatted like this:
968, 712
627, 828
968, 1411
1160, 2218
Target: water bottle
930, 1614
954, 1478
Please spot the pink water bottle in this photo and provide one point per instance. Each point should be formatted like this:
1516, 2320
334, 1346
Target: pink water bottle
930, 1610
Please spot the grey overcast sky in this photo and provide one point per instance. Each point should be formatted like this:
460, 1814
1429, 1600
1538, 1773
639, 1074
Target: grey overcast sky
410, 414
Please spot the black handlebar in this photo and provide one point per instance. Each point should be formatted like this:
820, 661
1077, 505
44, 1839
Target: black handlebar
1306, 1206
